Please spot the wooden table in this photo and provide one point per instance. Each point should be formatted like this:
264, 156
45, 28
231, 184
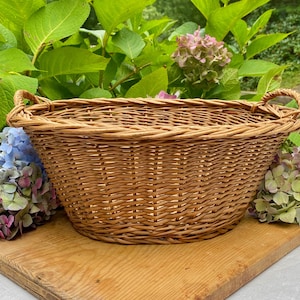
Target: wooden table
56, 262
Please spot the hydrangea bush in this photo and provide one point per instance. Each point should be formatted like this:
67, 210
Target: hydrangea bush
27, 198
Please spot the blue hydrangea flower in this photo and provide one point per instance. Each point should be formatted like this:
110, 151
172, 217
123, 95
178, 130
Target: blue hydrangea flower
16, 149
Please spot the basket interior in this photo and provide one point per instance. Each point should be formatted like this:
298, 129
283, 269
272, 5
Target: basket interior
135, 114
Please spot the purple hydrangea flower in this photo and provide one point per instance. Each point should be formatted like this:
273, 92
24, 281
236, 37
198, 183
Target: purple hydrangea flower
5, 224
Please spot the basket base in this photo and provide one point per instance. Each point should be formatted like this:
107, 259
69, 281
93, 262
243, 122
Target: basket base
134, 239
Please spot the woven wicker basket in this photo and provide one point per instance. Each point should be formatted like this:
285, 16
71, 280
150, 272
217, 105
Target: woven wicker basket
161, 171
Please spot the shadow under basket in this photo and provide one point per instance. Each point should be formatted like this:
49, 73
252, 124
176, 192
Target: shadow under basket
155, 171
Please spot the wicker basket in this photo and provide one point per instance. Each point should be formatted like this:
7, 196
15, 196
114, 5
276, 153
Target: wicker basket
159, 171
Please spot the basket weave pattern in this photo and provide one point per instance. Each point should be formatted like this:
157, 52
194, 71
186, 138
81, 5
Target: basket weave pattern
160, 171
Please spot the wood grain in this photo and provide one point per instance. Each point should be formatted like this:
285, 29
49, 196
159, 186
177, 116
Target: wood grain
56, 262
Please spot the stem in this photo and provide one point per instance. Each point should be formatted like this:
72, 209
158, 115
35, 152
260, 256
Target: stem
103, 52
135, 71
38, 52
101, 75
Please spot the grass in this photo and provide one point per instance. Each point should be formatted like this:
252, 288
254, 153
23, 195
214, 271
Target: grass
291, 79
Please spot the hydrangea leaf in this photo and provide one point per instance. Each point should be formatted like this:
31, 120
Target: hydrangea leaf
55, 21
14, 13
15, 60
263, 42
8, 39
9, 84
80, 61
112, 13
129, 42
96, 93
188, 27
150, 85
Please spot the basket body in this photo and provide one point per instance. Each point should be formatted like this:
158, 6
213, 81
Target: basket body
126, 176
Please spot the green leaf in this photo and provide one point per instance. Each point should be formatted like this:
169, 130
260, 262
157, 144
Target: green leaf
281, 198
260, 23
188, 27
289, 216
294, 137
129, 42
156, 56
55, 21
155, 27
70, 60
14, 13
96, 93
270, 81
7, 38
99, 34
8, 86
206, 7
255, 68
150, 85
112, 13
53, 89
15, 60
222, 20
263, 42
229, 87
293, 104
240, 32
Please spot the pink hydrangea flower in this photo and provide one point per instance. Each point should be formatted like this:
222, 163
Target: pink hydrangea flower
164, 95
202, 59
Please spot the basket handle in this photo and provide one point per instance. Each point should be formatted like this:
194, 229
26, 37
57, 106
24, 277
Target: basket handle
20, 105
21, 95
281, 92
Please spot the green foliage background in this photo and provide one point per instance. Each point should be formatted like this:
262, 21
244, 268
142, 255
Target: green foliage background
285, 18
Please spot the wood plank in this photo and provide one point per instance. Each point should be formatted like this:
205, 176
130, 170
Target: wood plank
56, 262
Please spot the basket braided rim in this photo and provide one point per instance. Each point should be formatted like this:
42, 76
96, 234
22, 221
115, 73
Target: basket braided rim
287, 118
